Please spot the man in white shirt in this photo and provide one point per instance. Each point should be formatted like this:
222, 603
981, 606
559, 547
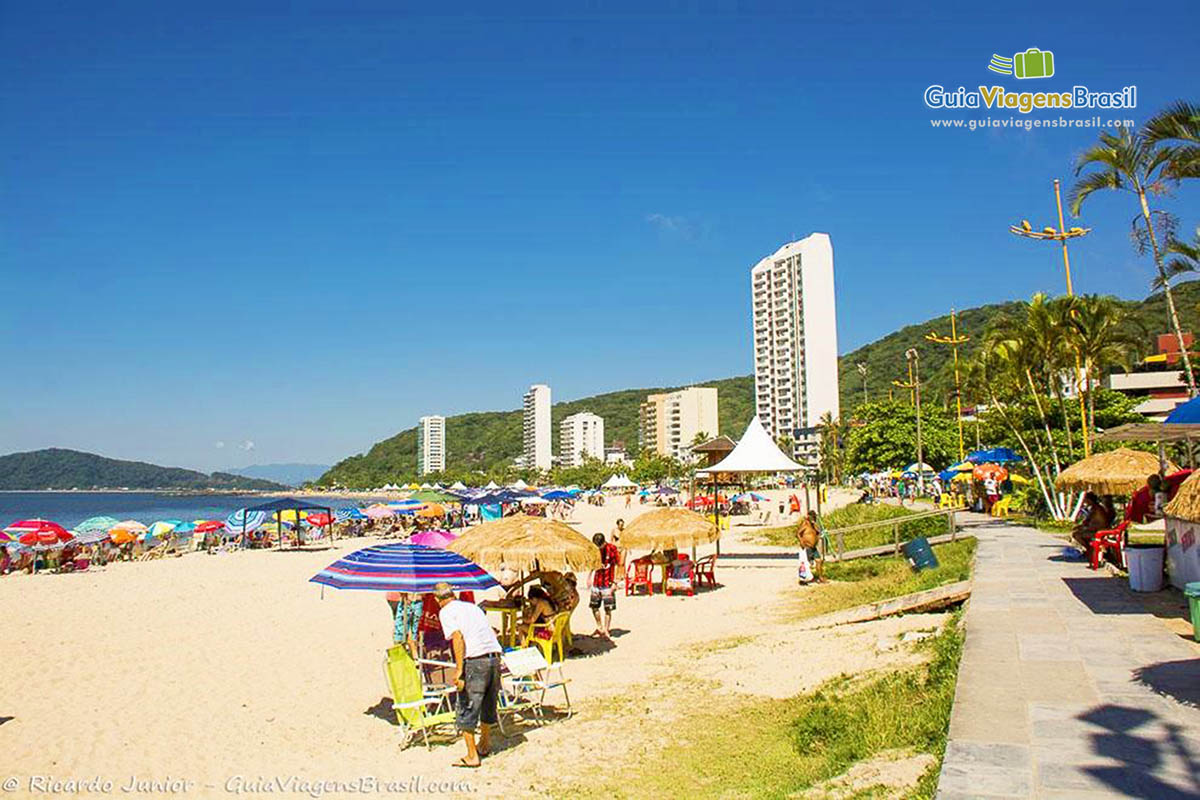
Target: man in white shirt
476, 671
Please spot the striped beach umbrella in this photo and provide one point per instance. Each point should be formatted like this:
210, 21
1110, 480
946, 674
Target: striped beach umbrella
379, 512
32, 532
400, 567
96, 524
247, 520
348, 513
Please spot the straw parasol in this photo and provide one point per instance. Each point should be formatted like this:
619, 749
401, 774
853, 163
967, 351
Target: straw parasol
1185, 504
667, 528
1119, 472
527, 544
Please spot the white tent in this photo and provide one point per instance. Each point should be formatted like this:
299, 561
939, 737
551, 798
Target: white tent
492, 486
519, 485
426, 486
458, 486
755, 452
618, 482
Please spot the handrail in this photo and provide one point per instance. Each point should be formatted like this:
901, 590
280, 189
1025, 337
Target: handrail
895, 522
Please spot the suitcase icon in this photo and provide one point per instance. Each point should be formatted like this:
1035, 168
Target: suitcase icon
1033, 63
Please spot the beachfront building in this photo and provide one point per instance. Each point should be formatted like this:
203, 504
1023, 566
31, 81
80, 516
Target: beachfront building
580, 436
795, 342
431, 445
669, 422
536, 428
1157, 382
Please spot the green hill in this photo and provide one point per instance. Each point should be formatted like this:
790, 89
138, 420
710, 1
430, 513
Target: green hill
490, 440
55, 468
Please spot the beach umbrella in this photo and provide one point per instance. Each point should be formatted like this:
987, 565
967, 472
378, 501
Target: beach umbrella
666, 528
31, 532
245, 520
126, 531
557, 494
379, 512
93, 536
997, 455
996, 471
402, 567
318, 519
527, 544
431, 510
96, 524
210, 525
162, 527
1117, 472
432, 538
185, 527
290, 515
348, 513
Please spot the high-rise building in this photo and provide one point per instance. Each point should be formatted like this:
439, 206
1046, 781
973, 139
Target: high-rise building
795, 341
669, 422
580, 435
431, 445
536, 427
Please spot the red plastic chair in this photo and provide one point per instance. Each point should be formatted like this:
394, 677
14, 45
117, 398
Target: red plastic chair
1113, 540
705, 570
639, 572
682, 571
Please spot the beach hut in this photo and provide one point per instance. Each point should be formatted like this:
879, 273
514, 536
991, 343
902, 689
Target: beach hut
1117, 472
1183, 533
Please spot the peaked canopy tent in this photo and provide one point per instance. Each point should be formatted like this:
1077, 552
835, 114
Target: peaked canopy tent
618, 482
755, 454
292, 504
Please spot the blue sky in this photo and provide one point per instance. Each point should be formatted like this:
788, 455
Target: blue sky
303, 225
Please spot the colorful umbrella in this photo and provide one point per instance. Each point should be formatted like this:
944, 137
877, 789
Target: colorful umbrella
290, 515
96, 524
94, 536
984, 470
210, 525
126, 531
432, 510
400, 567
30, 532
348, 513
163, 527
379, 512
432, 538
247, 520
318, 519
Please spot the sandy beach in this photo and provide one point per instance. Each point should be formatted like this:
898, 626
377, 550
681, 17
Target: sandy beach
230, 671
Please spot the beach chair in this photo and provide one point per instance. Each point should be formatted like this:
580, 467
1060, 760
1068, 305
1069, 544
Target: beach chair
554, 635
682, 577
639, 572
1114, 540
1000, 507
418, 707
705, 570
526, 681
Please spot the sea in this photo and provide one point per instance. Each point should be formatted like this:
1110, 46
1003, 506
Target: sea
70, 508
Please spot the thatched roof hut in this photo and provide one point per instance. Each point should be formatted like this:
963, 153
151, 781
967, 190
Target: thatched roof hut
1186, 503
1118, 472
526, 544
667, 528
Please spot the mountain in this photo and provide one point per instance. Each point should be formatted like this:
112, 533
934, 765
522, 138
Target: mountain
55, 468
490, 439
487, 440
287, 474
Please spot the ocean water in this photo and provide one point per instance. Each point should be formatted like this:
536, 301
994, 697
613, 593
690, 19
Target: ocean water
70, 508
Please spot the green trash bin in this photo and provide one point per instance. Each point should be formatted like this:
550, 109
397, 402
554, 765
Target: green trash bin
1192, 592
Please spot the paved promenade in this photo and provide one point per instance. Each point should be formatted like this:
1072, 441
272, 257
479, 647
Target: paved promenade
1070, 685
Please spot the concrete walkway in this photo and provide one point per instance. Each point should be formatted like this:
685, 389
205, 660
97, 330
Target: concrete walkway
1070, 685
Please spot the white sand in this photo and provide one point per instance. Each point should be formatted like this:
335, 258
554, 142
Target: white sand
207, 668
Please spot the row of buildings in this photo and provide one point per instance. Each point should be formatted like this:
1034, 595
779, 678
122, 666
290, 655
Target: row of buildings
794, 319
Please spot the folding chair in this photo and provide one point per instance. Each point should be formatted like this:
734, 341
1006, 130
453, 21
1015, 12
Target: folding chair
528, 678
418, 707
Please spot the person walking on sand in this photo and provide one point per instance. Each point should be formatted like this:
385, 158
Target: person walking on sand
602, 590
476, 671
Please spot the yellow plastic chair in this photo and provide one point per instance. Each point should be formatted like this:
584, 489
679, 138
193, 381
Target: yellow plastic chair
417, 707
1000, 507
560, 631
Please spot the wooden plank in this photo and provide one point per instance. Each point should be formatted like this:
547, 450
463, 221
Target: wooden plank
928, 600
887, 549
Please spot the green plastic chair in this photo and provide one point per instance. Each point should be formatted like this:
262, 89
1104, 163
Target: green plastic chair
417, 707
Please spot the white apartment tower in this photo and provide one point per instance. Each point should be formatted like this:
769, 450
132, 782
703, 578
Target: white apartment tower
795, 341
536, 428
431, 445
670, 421
580, 435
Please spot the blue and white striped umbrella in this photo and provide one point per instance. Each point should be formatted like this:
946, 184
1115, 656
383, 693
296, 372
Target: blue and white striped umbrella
348, 513
403, 567
250, 520
93, 536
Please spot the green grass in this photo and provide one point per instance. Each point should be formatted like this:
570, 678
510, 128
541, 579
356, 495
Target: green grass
869, 580
734, 748
785, 535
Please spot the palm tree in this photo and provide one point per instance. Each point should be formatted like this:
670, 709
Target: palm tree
1102, 337
1178, 125
1186, 256
1141, 165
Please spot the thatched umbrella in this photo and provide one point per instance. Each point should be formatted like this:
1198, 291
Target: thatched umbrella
667, 528
1185, 504
1119, 472
527, 544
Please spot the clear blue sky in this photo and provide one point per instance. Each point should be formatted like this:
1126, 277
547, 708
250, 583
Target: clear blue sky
303, 224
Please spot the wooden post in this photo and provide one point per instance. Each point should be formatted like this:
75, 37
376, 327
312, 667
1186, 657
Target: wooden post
896, 537
953, 526
841, 544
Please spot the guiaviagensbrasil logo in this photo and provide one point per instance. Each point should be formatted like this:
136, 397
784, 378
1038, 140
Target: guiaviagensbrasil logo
1033, 63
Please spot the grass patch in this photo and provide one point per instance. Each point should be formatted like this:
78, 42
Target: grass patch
844, 517
775, 748
869, 580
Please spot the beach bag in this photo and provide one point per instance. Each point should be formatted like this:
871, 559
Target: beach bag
804, 571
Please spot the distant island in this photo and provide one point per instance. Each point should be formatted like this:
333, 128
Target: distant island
60, 469
287, 474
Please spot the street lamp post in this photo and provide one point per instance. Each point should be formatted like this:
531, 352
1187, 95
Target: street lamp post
862, 370
1062, 234
954, 340
914, 386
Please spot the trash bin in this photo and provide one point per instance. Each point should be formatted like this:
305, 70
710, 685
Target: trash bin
1145, 567
1192, 592
920, 555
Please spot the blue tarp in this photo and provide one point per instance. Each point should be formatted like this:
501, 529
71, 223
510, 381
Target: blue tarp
994, 455
1185, 413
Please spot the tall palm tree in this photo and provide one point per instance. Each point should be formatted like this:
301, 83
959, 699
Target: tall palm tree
1103, 337
1178, 125
1185, 256
1133, 162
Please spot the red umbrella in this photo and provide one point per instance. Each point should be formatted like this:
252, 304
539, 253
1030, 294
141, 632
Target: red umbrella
30, 532
319, 519
209, 526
